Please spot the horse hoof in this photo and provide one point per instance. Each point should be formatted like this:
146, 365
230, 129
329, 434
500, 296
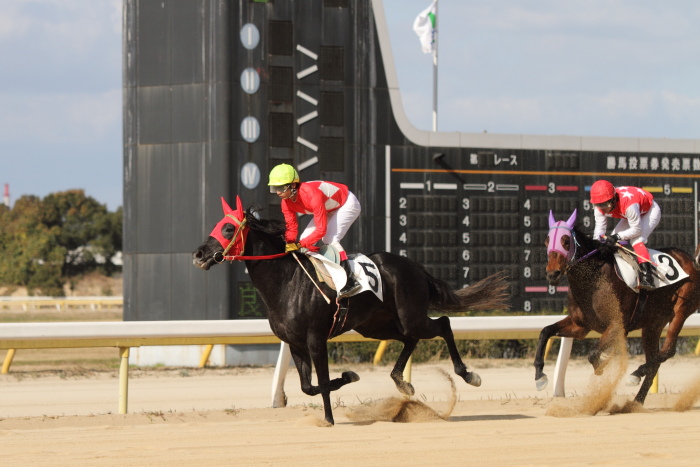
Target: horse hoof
633, 380
602, 363
406, 388
541, 383
350, 376
473, 379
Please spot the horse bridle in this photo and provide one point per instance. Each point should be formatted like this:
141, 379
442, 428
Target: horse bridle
552, 246
220, 257
571, 257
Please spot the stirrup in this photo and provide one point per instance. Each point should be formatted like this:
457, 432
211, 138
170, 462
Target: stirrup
349, 289
645, 282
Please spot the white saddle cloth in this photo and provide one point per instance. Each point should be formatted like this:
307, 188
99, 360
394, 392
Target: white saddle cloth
666, 273
366, 273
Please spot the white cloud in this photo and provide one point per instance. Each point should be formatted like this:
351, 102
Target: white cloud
59, 29
59, 118
681, 108
12, 22
643, 114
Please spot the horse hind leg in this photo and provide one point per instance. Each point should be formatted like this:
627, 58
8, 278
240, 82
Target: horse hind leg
441, 327
459, 367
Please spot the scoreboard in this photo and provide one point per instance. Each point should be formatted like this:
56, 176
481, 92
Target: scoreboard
468, 213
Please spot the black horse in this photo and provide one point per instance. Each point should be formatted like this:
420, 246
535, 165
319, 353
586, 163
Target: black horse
300, 316
598, 300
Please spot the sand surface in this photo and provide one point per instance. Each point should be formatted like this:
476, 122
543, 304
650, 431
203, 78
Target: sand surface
223, 417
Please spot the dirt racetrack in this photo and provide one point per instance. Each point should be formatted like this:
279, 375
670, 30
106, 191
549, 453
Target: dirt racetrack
223, 417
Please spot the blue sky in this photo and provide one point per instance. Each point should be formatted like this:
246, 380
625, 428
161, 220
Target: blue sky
60, 98
625, 68
592, 68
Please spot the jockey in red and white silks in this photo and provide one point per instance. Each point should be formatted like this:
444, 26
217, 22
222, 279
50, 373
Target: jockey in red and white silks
639, 215
334, 209
333, 206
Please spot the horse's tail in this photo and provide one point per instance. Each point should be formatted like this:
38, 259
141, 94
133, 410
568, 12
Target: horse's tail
490, 293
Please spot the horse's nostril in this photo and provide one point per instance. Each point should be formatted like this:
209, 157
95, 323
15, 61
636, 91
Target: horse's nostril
198, 254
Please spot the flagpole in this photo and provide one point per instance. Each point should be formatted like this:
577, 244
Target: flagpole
435, 68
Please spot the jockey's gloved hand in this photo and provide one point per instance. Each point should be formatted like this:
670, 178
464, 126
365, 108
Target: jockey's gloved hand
307, 248
612, 239
291, 247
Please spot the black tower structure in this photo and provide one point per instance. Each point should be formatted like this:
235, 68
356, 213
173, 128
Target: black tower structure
217, 92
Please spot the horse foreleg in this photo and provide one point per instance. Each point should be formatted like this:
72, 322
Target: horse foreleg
564, 328
606, 347
651, 371
302, 360
650, 345
404, 387
319, 355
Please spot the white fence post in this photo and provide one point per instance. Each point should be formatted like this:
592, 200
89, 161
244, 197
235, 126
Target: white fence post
560, 368
123, 380
279, 399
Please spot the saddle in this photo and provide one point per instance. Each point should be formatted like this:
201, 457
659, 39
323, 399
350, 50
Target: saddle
331, 254
328, 269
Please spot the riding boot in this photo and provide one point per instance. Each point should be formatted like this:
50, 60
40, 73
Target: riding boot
646, 276
351, 286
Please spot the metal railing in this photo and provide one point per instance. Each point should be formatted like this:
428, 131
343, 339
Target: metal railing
125, 335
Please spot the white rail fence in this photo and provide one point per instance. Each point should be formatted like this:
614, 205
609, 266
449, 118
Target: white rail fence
125, 335
65, 303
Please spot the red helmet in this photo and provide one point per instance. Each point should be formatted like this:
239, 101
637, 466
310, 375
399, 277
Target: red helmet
602, 191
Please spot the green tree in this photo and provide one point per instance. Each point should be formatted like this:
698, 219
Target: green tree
44, 243
86, 229
32, 256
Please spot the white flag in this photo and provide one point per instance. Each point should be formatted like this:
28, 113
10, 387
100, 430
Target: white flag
424, 26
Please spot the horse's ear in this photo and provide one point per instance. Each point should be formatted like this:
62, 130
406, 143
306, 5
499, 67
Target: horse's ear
227, 209
239, 205
572, 220
551, 219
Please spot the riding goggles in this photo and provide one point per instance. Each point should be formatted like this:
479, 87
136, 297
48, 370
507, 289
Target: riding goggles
279, 189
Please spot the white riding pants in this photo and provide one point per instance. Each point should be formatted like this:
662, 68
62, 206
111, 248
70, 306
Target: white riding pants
338, 221
647, 222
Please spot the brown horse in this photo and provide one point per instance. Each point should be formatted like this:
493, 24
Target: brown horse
598, 300
301, 317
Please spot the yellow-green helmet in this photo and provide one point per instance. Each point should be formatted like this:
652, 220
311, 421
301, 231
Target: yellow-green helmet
281, 175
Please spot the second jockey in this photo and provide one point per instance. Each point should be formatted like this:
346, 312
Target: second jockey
639, 215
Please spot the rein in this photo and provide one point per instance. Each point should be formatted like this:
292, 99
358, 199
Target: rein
244, 258
587, 255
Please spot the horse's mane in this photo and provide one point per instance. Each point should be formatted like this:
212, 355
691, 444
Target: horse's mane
271, 227
584, 239
587, 244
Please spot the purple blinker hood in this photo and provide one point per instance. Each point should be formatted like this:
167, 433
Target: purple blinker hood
557, 230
